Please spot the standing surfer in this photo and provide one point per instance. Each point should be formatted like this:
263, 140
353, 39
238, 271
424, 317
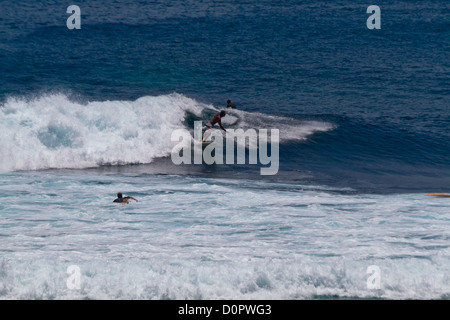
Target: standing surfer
216, 119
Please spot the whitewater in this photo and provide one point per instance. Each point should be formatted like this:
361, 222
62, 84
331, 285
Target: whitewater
193, 237
52, 131
197, 232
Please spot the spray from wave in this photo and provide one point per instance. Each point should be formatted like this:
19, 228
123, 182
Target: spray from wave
52, 131
290, 129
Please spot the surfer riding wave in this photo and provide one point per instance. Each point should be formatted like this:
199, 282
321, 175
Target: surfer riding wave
216, 119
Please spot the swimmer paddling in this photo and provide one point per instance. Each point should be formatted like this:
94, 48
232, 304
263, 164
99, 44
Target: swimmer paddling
122, 199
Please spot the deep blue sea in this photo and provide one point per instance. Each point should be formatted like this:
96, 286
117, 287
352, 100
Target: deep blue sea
364, 126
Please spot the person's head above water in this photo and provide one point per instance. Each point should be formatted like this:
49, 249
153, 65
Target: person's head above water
228, 101
119, 195
223, 113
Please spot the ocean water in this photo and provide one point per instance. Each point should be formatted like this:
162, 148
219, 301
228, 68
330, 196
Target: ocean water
363, 116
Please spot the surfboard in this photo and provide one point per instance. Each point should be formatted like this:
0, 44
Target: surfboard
437, 195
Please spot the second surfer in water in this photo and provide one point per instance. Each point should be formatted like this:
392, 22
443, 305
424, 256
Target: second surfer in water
216, 119
122, 199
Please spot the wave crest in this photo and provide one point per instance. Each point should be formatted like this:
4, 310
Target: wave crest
52, 131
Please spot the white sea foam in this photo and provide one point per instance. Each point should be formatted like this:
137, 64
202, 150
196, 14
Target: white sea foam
52, 131
290, 129
301, 278
198, 238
